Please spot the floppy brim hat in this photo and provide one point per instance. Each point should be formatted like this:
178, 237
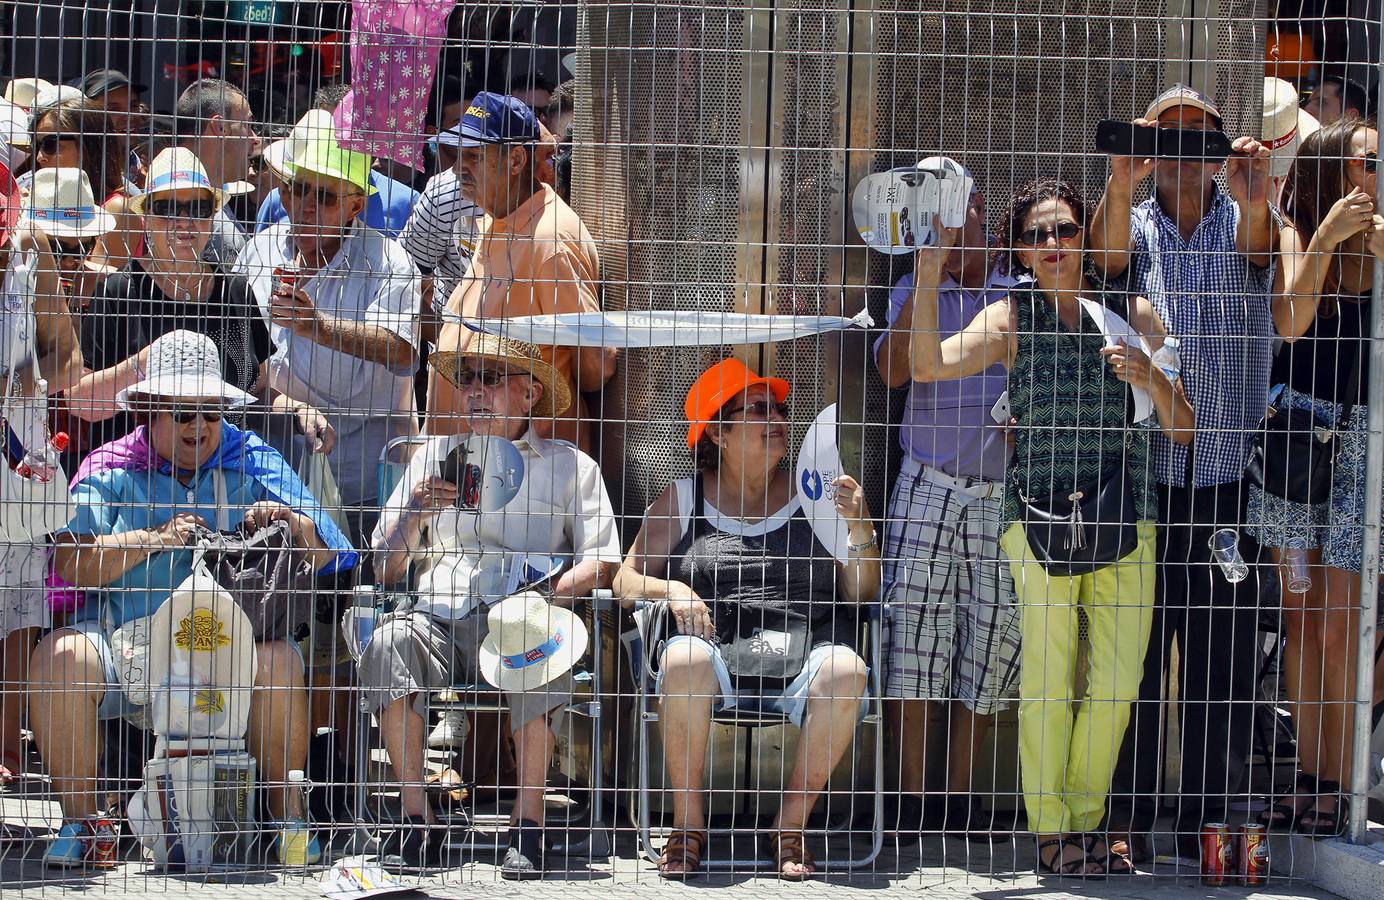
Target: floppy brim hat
557, 396
715, 387
524, 668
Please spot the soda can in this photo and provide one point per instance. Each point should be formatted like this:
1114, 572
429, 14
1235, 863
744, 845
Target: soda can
1253, 855
105, 843
1217, 854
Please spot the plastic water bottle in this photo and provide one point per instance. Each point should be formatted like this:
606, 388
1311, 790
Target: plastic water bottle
41, 463
1168, 359
293, 833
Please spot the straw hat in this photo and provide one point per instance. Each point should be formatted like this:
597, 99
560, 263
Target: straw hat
184, 365
175, 169
557, 396
61, 204
1286, 124
715, 387
312, 147
531, 642
23, 91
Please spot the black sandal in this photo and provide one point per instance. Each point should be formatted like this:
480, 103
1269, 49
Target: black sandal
1090, 840
1072, 867
1284, 814
1325, 824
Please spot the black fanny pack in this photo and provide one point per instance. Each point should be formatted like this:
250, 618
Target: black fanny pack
1085, 529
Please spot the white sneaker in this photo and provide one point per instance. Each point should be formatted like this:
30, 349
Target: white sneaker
451, 730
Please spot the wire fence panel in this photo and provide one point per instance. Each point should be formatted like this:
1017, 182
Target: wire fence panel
626, 442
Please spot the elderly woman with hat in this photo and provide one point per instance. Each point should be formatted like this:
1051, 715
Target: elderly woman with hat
731, 553
140, 503
557, 527
37, 342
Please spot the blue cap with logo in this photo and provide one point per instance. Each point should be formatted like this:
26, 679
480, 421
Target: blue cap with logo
493, 119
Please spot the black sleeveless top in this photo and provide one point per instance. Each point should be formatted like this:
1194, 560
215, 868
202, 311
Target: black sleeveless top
785, 568
1321, 362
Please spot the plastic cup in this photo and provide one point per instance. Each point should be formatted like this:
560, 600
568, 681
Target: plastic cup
1225, 549
1295, 575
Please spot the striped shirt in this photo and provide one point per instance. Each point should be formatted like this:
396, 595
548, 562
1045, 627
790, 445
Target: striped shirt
1216, 302
440, 235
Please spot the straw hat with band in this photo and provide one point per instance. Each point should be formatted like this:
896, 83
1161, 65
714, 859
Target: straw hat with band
1286, 125
531, 642
183, 365
175, 169
557, 396
61, 204
716, 387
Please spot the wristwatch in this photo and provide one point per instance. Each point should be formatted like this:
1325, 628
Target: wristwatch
860, 548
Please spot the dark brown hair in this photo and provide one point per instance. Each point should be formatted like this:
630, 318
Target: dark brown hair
1315, 182
1024, 199
102, 159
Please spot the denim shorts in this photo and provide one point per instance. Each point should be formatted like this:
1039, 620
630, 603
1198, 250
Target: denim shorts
791, 702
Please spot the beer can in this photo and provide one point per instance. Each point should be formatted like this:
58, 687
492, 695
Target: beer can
1253, 855
105, 843
1217, 854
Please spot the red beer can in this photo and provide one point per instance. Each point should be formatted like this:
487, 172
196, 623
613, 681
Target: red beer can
1217, 854
105, 843
1253, 855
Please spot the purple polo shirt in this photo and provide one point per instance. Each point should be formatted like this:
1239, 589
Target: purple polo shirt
947, 424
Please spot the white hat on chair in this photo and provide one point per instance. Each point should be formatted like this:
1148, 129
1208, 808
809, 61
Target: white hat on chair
531, 642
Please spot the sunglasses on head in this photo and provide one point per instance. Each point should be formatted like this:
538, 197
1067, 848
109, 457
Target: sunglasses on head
759, 409
302, 190
1371, 161
202, 208
1036, 237
48, 143
487, 377
188, 416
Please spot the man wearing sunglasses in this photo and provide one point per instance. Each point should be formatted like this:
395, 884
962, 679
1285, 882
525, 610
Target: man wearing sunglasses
534, 255
218, 126
1204, 258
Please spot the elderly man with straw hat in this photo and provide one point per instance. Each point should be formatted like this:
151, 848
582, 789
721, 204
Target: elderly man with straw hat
558, 527
342, 300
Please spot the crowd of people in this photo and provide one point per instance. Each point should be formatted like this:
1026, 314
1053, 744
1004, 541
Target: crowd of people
1066, 479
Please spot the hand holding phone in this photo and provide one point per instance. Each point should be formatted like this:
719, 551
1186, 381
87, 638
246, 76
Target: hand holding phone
1150, 141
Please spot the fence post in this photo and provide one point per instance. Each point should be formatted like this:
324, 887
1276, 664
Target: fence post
1369, 558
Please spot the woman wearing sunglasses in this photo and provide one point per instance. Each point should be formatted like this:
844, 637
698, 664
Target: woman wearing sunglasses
140, 503
732, 554
1069, 388
173, 287
1330, 240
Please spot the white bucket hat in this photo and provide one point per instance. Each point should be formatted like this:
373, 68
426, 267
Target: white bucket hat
531, 642
61, 204
184, 365
1286, 125
175, 169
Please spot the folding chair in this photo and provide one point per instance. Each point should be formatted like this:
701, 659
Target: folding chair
746, 723
587, 818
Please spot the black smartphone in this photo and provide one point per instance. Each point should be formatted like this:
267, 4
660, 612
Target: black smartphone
1128, 139
466, 475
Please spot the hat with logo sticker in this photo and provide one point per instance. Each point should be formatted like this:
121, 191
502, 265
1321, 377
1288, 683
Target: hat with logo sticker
493, 119
531, 642
61, 204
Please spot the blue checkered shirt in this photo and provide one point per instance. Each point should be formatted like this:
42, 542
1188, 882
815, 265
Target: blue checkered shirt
1216, 302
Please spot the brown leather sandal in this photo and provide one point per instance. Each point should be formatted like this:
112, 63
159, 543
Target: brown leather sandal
684, 848
789, 847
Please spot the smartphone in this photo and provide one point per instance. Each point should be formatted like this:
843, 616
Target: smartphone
465, 475
1144, 141
1000, 412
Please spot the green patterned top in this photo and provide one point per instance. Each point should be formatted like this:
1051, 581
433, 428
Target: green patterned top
1071, 409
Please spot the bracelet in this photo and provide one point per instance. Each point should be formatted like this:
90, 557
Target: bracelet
859, 548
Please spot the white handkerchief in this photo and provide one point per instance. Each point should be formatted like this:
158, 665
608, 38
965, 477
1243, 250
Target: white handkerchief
1117, 331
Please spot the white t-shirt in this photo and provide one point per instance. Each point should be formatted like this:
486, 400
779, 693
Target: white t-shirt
370, 279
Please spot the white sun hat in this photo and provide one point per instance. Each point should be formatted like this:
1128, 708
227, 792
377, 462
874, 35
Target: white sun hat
61, 204
175, 169
184, 365
531, 642
1286, 125
314, 124
23, 91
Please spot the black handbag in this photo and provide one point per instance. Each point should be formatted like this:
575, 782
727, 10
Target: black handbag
262, 575
1082, 531
1293, 452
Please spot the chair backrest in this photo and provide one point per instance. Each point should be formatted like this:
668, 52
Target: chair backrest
394, 458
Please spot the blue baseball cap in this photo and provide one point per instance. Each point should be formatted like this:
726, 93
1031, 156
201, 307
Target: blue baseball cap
492, 119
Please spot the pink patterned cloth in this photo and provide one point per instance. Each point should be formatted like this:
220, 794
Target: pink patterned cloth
394, 47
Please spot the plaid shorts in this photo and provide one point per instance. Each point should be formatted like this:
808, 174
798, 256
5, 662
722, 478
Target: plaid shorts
954, 625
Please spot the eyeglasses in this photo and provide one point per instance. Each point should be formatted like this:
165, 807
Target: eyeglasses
1037, 237
73, 249
760, 409
48, 143
487, 377
302, 190
203, 208
1371, 161
187, 417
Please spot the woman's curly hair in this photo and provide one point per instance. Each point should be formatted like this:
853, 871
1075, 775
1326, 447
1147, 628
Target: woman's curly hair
1024, 199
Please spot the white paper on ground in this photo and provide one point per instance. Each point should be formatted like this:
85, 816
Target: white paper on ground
674, 328
352, 877
819, 462
1117, 331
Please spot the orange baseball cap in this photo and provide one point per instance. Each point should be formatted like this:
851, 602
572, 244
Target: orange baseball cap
715, 387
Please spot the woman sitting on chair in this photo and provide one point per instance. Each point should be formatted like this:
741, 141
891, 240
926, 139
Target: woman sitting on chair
751, 596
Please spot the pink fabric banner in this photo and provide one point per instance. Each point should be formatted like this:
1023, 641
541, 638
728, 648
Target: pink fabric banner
394, 49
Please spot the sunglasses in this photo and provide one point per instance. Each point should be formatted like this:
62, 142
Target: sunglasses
325, 198
760, 409
187, 417
1371, 161
487, 377
181, 209
1037, 237
48, 143
70, 249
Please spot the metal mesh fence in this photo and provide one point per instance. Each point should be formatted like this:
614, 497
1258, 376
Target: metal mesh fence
391, 482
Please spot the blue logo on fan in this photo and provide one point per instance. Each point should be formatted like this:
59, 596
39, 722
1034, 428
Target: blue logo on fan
812, 484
